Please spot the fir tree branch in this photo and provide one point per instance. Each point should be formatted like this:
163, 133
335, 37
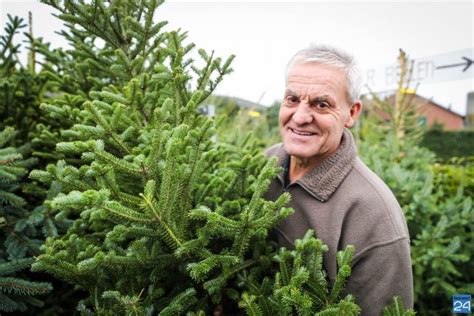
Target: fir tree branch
205, 73
126, 213
119, 164
248, 302
22, 287
169, 231
10, 267
92, 107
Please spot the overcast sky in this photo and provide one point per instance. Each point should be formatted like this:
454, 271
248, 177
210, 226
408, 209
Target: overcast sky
265, 34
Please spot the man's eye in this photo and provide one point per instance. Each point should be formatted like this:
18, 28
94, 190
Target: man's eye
291, 99
322, 105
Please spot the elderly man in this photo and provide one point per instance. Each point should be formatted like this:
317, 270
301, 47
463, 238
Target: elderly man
332, 190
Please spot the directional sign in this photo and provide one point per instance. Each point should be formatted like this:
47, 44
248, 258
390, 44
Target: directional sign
466, 64
455, 65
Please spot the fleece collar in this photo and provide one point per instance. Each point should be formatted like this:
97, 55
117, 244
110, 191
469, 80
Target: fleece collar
323, 180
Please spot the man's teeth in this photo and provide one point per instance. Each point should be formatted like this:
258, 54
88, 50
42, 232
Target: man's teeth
302, 133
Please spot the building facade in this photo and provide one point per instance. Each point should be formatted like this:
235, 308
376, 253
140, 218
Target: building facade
430, 112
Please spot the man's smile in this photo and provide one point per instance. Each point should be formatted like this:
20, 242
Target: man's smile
301, 132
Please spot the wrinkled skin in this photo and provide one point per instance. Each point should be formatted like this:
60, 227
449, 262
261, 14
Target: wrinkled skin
313, 115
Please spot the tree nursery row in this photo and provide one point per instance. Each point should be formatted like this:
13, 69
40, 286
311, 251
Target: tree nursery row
118, 197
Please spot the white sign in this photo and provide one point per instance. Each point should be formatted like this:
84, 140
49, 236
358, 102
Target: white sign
455, 65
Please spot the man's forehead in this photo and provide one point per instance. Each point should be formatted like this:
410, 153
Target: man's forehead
312, 77
324, 86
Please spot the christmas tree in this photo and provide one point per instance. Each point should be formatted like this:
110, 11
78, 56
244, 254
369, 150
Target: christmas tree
163, 218
24, 225
17, 290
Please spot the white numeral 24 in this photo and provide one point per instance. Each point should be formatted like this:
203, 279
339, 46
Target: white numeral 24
458, 305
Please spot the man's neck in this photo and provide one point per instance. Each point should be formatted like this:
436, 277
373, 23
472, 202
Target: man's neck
301, 166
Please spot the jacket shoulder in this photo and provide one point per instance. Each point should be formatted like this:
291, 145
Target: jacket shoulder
375, 202
370, 183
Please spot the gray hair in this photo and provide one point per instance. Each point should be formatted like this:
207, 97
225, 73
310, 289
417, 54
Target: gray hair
328, 55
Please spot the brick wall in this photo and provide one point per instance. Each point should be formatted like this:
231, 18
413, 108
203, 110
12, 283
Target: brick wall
430, 111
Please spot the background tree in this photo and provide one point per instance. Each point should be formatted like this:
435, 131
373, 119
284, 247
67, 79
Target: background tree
24, 225
18, 234
438, 213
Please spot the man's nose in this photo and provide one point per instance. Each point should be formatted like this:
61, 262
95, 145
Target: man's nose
303, 114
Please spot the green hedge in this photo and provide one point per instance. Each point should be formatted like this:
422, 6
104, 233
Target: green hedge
447, 144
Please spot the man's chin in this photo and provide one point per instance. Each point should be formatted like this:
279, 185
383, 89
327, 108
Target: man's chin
302, 153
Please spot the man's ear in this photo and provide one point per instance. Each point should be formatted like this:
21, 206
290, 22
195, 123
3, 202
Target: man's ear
354, 114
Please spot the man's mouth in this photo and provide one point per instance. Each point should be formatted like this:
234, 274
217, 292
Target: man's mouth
301, 133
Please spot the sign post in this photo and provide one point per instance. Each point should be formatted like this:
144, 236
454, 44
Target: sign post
456, 65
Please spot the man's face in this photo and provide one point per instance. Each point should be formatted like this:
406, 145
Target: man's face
315, 111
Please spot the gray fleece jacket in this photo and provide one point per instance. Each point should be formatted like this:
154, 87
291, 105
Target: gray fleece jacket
347, 204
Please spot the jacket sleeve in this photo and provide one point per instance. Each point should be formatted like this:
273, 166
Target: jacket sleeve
379, 274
